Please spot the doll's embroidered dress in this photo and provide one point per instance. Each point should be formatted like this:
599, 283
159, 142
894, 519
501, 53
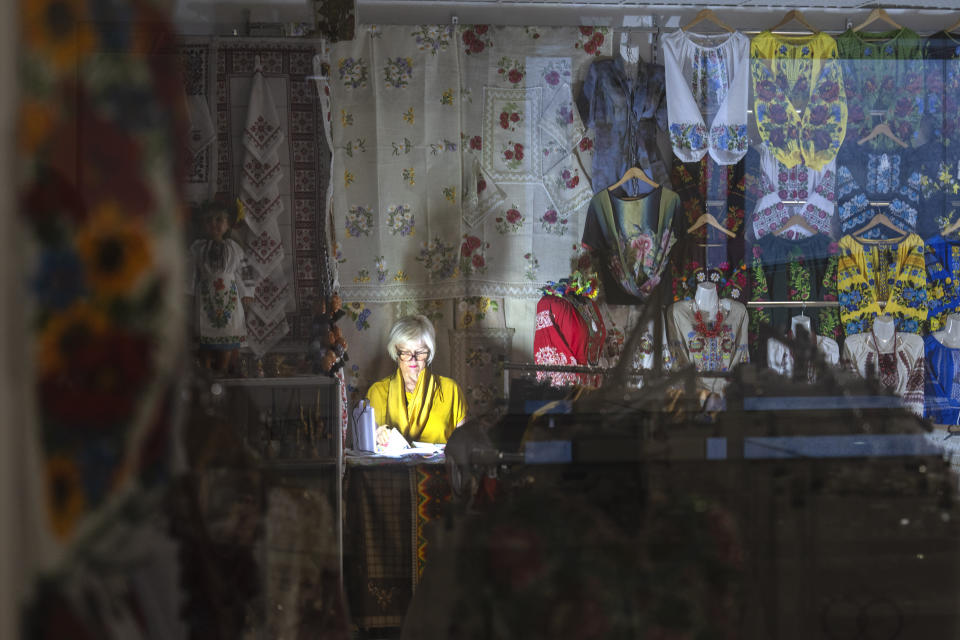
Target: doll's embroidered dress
630, 239
799, 100
569, 331
707, 82
883, 78
895, 273
218, 288
624, 110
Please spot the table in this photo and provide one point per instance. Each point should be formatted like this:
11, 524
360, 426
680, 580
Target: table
388, 505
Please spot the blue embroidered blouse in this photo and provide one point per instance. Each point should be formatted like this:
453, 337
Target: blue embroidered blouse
942, 382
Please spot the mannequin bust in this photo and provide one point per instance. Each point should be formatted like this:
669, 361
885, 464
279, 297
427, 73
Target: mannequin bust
706, 300
950, 336
885, 333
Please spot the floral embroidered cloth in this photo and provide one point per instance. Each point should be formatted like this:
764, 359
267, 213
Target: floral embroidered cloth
941, 64
512, 150
708, 253
941, 389
780, 192
707, 83
631, 240
942, 257
799, 100
798, 270
624, 110
883, 78
865, 177
569, 331
871, 273
900, 372
718, 352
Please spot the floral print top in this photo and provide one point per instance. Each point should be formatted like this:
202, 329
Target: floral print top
707, 87
799, 270
893, 273
780, 192
883, 79
799, 100
941, 65
624, 112
630, 240
866, 177
707, 253
942, 256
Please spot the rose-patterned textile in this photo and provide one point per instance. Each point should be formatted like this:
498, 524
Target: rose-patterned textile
883, 79
708, 353
799, 100
708, 253
707, 81
941, 65
895, 273
630, 239
780, 192
800, 270
569, 331
460, 162
941, 389
942, 257
624, 110
900, 372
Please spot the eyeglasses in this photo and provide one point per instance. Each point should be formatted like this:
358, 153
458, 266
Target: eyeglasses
407, 356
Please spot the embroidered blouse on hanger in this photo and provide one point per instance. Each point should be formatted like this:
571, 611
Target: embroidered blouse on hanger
942, 257
882, 75
707, 253
707, 85
901, 372
941, 61
865, 176
942, 382
781, 192
630, 239
894, 273
799, 73
624, 113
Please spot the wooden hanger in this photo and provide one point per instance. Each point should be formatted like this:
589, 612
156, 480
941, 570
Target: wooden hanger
883, 129
878, 14
955, 26
793, 14
708, 219
882, 220
949, 229
796, 220
633, 172
707, 14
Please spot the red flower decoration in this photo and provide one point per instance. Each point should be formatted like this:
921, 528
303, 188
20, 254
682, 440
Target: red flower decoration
514, 76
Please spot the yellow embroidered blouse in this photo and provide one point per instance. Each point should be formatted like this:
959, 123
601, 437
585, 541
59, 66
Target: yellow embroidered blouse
893, 273
429, 414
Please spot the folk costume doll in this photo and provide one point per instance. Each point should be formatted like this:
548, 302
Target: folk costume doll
216, 289
570, 329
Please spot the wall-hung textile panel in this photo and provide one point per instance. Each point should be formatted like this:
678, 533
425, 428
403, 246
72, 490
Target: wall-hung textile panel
458, 167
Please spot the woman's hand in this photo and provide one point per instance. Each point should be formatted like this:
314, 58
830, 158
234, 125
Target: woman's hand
383, 435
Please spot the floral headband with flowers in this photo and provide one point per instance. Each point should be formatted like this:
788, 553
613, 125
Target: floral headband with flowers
731, 283
578, 284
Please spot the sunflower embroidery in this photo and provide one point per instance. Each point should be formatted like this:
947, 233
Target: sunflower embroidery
116, 252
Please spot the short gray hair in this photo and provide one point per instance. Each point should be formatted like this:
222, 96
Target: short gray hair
409, 329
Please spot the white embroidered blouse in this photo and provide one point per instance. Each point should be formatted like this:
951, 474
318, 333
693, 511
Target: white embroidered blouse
900, 372
707, 78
